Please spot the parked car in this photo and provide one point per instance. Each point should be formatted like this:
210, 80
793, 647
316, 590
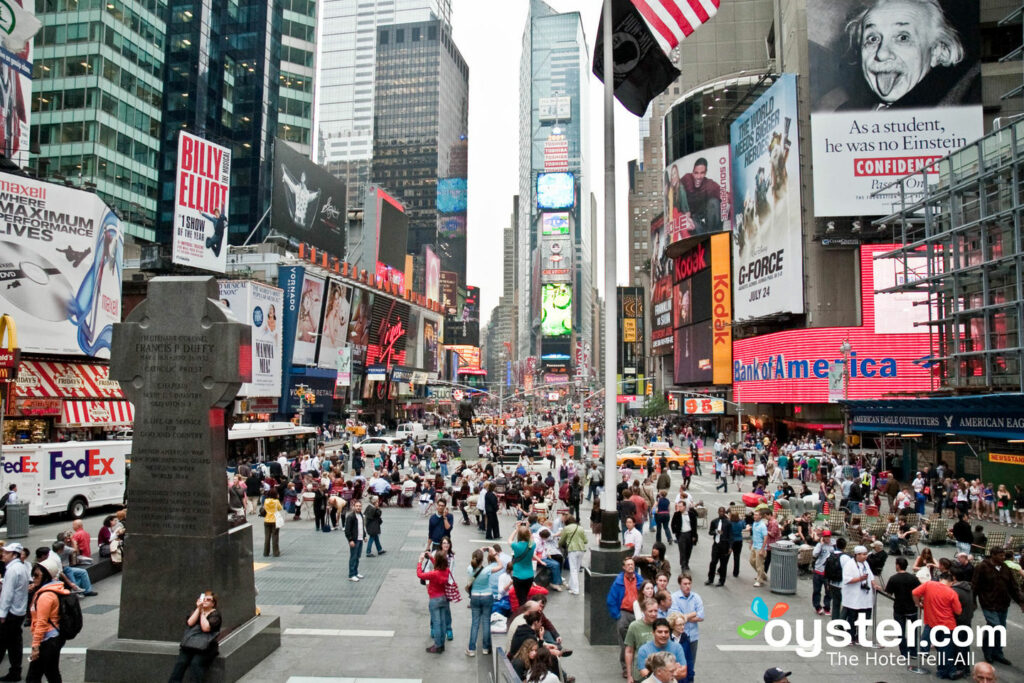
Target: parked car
371, 446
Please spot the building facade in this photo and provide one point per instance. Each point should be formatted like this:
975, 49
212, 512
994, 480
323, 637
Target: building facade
295, 106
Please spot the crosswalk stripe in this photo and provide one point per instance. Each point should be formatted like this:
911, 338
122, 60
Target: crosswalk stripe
339, 632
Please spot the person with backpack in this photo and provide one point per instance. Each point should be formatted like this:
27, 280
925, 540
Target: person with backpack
199, 643
56, 618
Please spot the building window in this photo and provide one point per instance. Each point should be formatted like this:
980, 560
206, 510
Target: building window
400, 35
415, 34
383, 38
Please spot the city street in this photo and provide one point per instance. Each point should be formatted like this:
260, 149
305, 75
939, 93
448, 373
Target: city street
335, 631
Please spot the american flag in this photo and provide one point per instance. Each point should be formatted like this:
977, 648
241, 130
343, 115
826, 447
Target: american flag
672, 20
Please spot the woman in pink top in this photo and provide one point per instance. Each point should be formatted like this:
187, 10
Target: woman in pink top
440, 612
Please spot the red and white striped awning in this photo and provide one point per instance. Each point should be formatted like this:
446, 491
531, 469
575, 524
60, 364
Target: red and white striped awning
97, 414
39, 379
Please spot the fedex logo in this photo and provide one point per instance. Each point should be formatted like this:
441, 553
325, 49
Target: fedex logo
23, 465
90, 465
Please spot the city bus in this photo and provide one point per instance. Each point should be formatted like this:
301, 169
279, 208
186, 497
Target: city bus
263, 441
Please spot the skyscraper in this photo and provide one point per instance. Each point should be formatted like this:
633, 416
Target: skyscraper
420, 146
298, 60
553, 127
345, 72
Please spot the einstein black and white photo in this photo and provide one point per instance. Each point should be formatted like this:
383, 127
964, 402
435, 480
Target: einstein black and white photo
893, 54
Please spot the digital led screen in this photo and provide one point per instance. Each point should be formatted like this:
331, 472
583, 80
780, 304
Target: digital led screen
554, 223
556, 310
451, 195
556, 191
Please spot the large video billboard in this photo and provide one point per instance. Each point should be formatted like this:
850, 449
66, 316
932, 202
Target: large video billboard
698, 194
702, 314
16, 76
451, 195
389, 330
432, 286
61, 253
202, 192
794, 366
308, 202
334, 330
556, 310
554, 223
261, 307
894, 86
556, 191
392, 239
556, 259
767, 251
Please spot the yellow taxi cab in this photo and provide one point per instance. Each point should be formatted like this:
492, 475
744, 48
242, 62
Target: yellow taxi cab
635, 457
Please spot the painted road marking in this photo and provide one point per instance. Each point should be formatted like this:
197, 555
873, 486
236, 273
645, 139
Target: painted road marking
338, 632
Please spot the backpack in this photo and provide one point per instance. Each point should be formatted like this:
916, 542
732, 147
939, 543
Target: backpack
69, 612
834, 567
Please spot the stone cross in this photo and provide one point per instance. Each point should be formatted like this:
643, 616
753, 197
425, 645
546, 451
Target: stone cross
180, 359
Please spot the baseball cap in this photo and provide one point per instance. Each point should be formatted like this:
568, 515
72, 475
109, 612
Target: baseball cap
860, 550
775, 674
52, 565
826, 532
14, 548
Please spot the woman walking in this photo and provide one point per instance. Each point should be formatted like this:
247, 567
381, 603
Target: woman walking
523, 548
574, 538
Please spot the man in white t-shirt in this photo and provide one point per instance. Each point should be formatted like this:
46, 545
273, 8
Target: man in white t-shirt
859, 585
633, 537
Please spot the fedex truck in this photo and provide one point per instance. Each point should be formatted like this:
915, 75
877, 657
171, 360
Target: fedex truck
66, 477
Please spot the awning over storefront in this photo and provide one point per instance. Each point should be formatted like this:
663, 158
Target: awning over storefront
44, 379
97, 414
995, 416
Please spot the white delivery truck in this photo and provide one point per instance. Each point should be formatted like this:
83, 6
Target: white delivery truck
66, 477
411, 429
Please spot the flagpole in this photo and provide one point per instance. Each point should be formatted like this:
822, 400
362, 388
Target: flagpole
609, 537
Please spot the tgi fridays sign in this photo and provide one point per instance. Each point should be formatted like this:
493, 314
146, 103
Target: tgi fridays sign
38, 379
201, 200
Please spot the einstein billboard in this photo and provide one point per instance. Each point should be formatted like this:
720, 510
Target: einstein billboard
895, 85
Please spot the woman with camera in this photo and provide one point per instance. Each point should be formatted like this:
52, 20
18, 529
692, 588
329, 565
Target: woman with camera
199, 644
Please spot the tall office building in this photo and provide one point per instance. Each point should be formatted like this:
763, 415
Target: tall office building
345, 73
420, 147
298, 69
553, 127
97, 99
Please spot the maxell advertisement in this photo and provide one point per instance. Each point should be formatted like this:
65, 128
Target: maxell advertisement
16, 87
894, 86
60, 261
556, 259
767, 252
334, 331
698, 194
260, 306
201, 199
308, 202
307, 326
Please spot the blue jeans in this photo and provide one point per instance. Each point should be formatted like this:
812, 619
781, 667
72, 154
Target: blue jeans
373, 538
556, 570
480, 607
444, 469
354, 551
945, 654
661, 520
819, 583
908, 647
80, 577
441, 620
993, 618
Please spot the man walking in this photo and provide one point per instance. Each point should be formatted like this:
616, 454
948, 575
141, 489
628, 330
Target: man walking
940, 606
821, 553
355, 532
758, 548
621, 597
901, 587
720, 531
858, 585
691, 606
13, 606
994, 587
374, 518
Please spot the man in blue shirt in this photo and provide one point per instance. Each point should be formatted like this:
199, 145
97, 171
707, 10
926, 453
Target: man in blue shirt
758, 548
13, 606
440, 524
690, 605
662, 643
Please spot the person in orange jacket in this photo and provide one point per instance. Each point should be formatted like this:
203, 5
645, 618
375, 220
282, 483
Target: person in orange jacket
45, 608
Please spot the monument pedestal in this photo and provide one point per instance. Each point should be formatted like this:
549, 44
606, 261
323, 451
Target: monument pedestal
605, 565
120, 660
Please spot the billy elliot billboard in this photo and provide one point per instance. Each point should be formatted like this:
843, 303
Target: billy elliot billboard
767, 251
308, 202
794, 366
702, 314
202, 192
894, 86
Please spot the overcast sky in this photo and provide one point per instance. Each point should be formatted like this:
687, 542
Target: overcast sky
490, 35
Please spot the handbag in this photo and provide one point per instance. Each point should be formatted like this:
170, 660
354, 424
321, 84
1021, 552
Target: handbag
279, 519
469, 586
262, 511
451, 589
542, 577
195, 638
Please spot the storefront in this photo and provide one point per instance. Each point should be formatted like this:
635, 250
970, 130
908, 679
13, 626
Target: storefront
63, 401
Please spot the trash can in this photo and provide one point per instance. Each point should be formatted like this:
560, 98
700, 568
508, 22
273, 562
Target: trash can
784, 569
17, 520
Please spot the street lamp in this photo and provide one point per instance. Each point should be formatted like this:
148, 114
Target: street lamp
845, 348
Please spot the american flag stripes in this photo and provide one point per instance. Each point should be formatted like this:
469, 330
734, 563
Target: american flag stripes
670, 21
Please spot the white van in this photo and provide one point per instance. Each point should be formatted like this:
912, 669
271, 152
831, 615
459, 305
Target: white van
66, 477
413, 429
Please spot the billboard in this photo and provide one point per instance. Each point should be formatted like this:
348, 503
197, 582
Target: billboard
556, 310
471, 307
308, 202
702, 313
261, 307
451, 195
661, 262
359, 323
392, 237
794, 366
767, 252
61, 253
556, 153
554, 223
202, 189
307, 325
556, 259
16, 76
344, 367
469, 356
894, 87
334, 330
430, 345
389, 327
698, 194
550, 109
433, 274
556, 191
449, 291
661, 323
703, 406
